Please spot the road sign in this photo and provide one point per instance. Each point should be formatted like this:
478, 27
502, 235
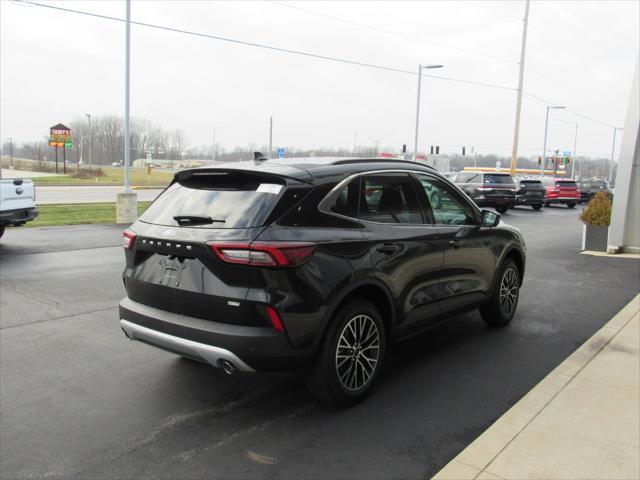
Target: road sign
281, 152
566, 153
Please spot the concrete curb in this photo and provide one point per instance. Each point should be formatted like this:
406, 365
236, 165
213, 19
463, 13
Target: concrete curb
474, 461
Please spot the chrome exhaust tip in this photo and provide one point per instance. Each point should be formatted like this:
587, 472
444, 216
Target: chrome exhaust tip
227, 366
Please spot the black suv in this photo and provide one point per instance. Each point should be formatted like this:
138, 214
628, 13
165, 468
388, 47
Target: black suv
312, 264
531, 192
497, 190
589, 188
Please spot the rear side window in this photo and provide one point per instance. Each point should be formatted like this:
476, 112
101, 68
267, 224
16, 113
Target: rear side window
389, 198
495, 178
347, 201
216, 200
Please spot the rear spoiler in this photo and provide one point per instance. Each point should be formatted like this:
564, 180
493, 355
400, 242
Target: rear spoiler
268, 173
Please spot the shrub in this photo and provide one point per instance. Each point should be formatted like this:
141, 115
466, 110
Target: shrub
598, 210
88, 173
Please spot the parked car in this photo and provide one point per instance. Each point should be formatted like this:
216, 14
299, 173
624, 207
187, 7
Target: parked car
589, 188
313, 265
497, 190
17, 202
565, 192
531, 192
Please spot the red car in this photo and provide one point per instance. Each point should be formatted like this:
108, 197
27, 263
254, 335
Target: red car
561, 191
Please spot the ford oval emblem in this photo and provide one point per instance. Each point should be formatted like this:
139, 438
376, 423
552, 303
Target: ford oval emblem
19, 190
169, 232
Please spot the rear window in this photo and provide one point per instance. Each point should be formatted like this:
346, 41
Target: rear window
566, 184
495, 178
229, 200
530, 182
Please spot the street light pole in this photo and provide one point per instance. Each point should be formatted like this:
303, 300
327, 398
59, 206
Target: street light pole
270, 137
11, 152
420, 68
88, 115
544, 148
575, 158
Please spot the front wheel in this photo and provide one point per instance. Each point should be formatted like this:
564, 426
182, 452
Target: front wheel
501, 307
537, 207
350, 357
571, 205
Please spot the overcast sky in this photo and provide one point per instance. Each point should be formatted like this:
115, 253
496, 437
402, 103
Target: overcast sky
57, 66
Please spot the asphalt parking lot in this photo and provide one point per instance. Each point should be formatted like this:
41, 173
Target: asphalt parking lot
79, 400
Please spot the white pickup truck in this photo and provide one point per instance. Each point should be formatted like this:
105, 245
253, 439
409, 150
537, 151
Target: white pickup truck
17, 202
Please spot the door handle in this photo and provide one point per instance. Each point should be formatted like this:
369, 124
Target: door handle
456, 243
387, 248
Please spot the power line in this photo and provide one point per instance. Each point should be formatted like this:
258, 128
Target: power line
394, 33
300, 53
268, 47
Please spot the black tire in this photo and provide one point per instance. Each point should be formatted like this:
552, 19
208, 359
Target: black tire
494, 312
546, 204
502, 210
326, 378
1, 230
537, 207
571, 205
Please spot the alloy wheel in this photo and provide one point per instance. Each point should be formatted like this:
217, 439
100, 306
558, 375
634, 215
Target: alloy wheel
509, 291
357, 352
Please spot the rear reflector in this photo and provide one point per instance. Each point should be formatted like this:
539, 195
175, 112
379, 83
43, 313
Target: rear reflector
128, 237
264, 254
275, 319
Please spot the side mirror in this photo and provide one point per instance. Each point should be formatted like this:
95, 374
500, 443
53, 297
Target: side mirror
489, 218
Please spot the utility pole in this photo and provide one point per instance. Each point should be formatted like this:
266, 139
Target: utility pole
355, 142
10, 152
575, 158
546, 128
88, 115
516, 133
270, 137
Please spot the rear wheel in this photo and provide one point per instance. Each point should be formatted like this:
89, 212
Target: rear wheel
502, 209
1, 230
350, 357
571, 204
501, 307
537, 207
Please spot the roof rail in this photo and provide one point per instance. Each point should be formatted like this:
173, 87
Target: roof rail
380, 160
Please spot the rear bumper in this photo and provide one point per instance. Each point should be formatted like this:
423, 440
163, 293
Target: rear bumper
562, 200
18, 217
530, 200
495, 201
247, 348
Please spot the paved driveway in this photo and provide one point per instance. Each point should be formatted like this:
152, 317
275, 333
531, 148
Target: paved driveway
78, 400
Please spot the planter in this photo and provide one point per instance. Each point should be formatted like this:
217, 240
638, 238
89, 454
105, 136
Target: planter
595, 238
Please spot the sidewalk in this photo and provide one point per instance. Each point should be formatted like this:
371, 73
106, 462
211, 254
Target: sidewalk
582, 421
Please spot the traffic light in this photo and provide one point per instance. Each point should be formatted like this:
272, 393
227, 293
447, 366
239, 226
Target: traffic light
431, 150
539, 161
404, 148
464, 150
437, 149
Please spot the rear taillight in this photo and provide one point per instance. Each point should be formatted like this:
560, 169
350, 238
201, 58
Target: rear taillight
264, 254
275, 319
128, 237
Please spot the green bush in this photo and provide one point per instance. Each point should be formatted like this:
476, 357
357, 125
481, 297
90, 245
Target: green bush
598, 210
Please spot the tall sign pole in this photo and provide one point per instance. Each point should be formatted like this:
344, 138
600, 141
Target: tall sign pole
270, 137
516, 133
127, 76
127, 201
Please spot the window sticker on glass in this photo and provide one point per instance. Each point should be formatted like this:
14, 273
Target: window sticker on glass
273, 188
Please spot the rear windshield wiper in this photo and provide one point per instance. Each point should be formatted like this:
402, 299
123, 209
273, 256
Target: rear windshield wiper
195, 219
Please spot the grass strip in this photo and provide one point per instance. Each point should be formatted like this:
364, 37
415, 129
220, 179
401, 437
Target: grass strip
78, 214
